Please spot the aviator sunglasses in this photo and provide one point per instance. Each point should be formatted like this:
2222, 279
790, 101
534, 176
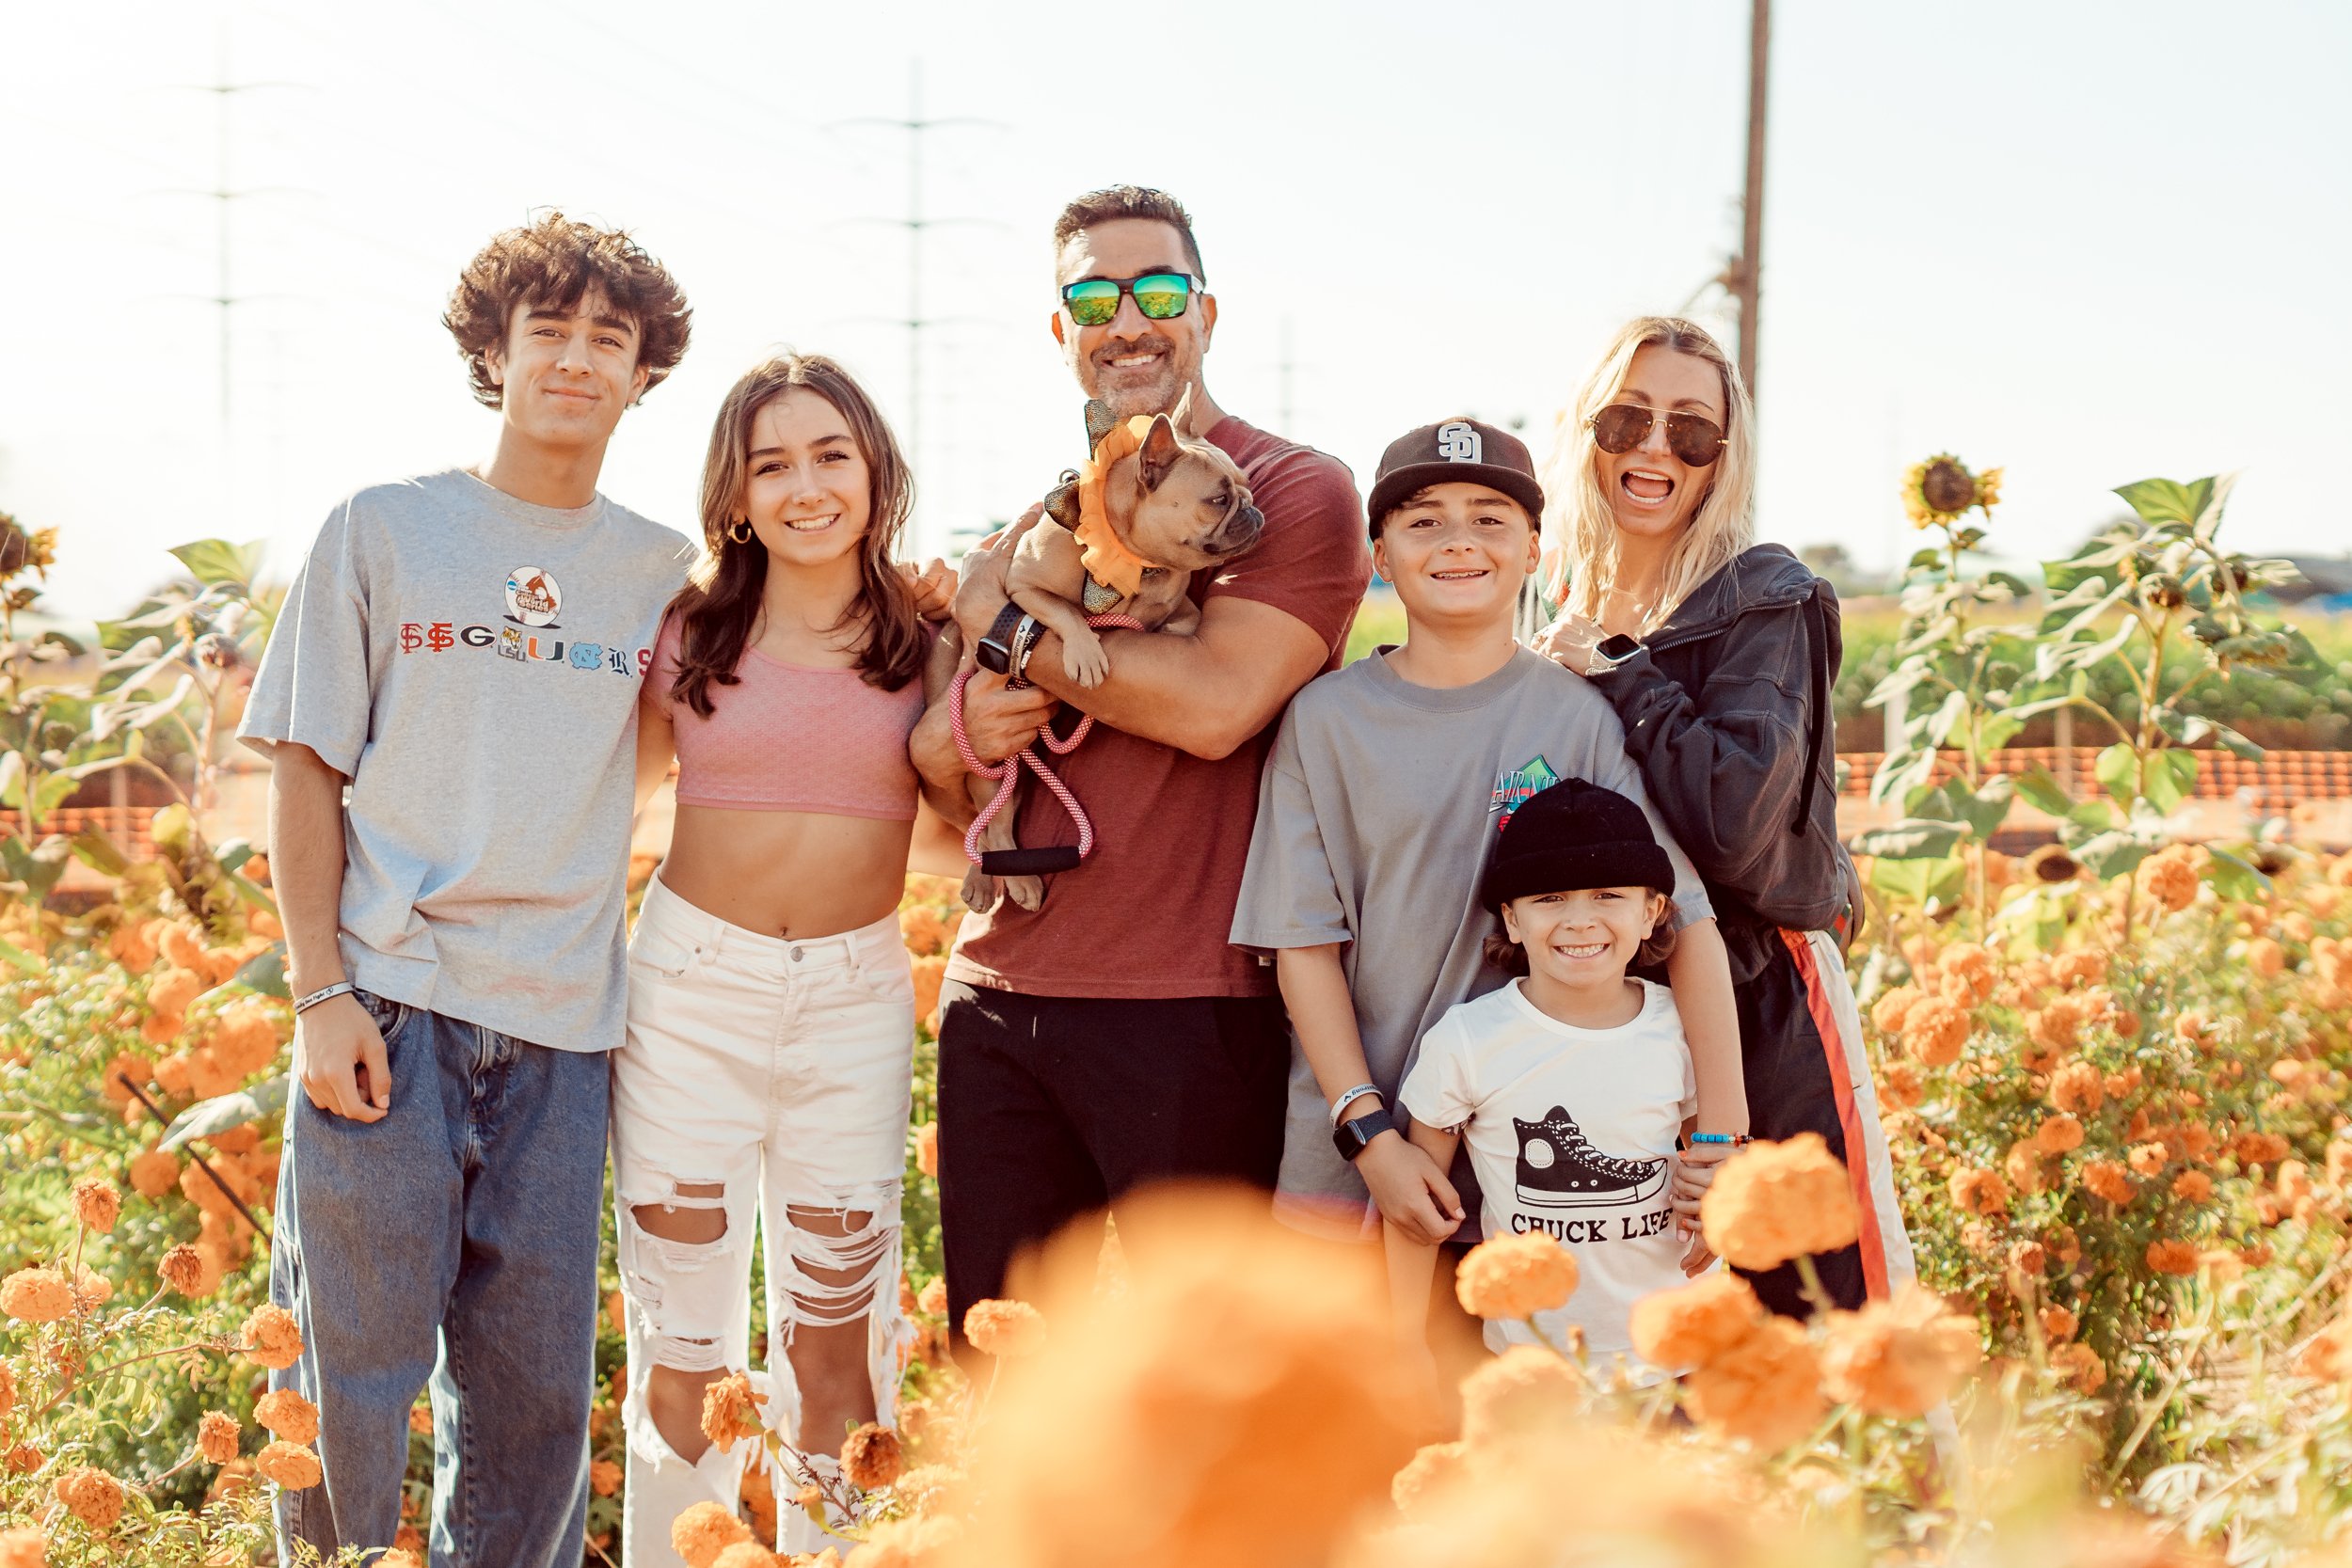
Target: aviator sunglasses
1160, 295
1622, 426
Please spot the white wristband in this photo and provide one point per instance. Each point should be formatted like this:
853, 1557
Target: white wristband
1339, 1106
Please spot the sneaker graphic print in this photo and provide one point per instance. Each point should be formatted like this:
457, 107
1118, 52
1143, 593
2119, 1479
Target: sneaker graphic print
1559, 1169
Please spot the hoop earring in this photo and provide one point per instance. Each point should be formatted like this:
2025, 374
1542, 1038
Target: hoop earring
740, 530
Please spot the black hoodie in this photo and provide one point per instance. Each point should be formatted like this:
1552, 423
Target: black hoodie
1726, 710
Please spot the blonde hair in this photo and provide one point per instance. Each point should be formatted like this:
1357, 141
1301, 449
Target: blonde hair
1579, 516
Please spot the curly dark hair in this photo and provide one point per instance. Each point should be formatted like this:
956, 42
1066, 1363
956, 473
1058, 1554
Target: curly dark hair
1510, 958
1128, 202
554, 260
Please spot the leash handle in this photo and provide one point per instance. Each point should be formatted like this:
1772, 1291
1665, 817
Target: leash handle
1008, 772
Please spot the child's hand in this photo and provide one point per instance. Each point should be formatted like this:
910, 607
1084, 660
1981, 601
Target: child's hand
1694, 1172
1412, 1193
1697, 1257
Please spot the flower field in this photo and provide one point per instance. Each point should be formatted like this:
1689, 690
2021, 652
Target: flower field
2114, 1075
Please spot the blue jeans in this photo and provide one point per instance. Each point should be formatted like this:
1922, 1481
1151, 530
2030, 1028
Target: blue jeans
452, 1241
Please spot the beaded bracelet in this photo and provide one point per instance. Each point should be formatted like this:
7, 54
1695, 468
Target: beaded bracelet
1733, 1139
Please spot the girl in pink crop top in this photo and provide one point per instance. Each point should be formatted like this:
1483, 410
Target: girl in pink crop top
764, 1087
792, 738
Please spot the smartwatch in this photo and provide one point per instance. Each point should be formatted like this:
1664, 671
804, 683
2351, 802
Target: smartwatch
1613, 651
995, 653
1352, 1137
1024, 643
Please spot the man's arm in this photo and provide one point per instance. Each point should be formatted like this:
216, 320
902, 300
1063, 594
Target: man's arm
1205, 692
338, 1052
997, 719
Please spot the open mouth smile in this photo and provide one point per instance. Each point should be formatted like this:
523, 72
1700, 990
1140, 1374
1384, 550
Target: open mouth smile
1646, 484
1580, 950
812, 525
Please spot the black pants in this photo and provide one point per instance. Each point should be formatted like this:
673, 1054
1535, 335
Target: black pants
1789, 1091
1053, 1106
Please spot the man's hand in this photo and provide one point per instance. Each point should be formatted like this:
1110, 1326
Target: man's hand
934, 587
1412, 1193
339, 1057
998, 719
980, 583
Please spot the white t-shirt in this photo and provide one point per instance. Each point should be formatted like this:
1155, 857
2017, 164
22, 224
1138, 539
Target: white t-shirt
1572, 1133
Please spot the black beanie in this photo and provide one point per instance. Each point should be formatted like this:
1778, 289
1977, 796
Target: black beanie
1572, 836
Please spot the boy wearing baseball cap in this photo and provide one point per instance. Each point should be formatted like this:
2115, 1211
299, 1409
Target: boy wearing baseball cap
1388, 784
1571, 1086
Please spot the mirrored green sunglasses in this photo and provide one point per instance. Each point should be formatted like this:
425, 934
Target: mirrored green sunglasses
1160, 295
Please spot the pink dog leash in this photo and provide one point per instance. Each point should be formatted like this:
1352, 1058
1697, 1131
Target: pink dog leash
1018, 862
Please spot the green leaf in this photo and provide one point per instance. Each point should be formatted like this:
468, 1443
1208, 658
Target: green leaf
265, 974
2234, 877
52, 792
2117, 772
2161, 502
2042, 793
217, 562
2111, 854
2167, 778
1947, 713
2092, 817
1911, 839
93, 848
1902, 773
217, 1115
1917, 882
12, 780
1984, 809
1925, 561
10, 953
232, 854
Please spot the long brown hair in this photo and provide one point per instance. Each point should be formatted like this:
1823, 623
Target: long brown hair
720, 604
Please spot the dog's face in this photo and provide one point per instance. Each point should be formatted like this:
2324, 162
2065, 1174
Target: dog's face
1189, 506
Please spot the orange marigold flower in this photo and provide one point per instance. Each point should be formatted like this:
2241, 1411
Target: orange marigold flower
400, 1557
2028, 1257
1888, 1012
2148, 1159
189, 1270
2328, 1357
1935, 1031
704, 1530
751, 1554
1773, 1201
2169, 876
1524, 1390
2259, 1148
24, 1548
1429, 1473
288, 1415
1516, 1277
1900, 1085
272, 1338
2108, 1179
1973, 966
1690, 1325
94, 1496
1977, 1190
2079, 967
731, 1411
2193, 1186
2078, 1088
155, 1172
2027, 1167
604, 1478
97, 1203
933, 1301
2058, 1135
216, 1436
2079, 1365
91, 1289
8, 1389
169, 997
2058, 1322
1900, 1356
182, 946
2265, 957
36, 1295
1012, 1329
2173, 1258
1766, 1389
871, 1457
2057, 1027
927, 1150
290, 1465
244, 1041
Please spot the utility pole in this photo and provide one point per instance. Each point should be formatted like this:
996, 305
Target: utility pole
1748, 267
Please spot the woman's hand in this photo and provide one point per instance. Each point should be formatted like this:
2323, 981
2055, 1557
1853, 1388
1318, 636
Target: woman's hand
1572, 640
1694, 1172
1412, 1193
934, 587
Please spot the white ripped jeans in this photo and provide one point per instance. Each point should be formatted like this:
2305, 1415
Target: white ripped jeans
780, 1073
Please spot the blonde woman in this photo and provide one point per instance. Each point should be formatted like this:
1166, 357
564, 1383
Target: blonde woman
1719, 654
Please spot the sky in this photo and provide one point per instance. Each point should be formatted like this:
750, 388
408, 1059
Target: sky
2091, 242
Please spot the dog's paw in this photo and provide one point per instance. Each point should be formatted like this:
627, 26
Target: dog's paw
1086, 661
1027, 892
978, 892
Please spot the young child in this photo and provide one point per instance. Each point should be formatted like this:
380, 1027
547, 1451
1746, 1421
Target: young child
1378, 806
1573, 1085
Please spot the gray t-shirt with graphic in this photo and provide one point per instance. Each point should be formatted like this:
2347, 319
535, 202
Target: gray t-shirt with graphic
1375, 813
470, 662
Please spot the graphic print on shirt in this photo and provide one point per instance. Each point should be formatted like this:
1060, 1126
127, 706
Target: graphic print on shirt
533, 597
1515, 788
1559, 1168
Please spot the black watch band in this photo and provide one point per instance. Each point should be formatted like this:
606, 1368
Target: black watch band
1354, 1135
995, 653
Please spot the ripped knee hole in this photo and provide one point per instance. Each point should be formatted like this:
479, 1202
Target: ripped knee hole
698, 1213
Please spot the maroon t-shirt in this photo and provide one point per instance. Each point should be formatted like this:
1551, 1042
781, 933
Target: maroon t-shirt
1147, 914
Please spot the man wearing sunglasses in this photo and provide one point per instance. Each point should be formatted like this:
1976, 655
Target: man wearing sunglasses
1114, 1038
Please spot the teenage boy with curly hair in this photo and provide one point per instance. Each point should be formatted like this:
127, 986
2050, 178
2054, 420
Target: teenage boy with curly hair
461, 652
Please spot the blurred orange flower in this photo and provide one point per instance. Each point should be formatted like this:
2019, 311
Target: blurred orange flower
704, 1530
2108, 1179
36, 1295
216, 1436
2059, 1133
871, 1457
97, 1203
1692, 1325
1012, 1329
1977, 1190
288, 1415
1516, 1277
1525, 1389
290, 1465
731, 1411
2078, 1088
272, 1338
1900, 1356
1773, 1201
2173, 1258
1765, 1389
1934, 1031
93, 1496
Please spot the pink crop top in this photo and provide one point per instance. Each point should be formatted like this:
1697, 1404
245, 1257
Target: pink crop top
792, 738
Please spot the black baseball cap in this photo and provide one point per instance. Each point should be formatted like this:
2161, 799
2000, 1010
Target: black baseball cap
1452, 451
1570, 836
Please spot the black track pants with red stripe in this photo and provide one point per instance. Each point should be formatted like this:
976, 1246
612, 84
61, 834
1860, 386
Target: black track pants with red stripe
1808, 1071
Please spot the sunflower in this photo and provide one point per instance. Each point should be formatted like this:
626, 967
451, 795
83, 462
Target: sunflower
1938, 489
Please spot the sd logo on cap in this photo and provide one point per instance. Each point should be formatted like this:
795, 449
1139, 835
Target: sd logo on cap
1450, 452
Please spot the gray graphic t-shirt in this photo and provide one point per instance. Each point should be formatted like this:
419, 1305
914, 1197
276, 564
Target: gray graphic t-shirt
470, 662
1376, 814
